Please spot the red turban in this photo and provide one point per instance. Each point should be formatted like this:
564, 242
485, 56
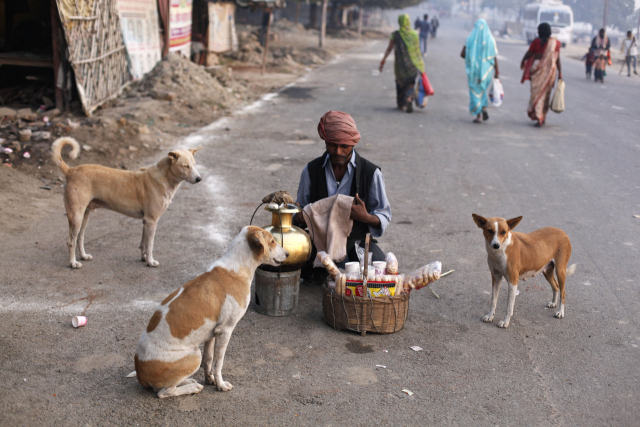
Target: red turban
337, 127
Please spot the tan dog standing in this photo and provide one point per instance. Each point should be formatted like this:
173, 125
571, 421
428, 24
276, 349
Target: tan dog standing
144, 193
516, 256
205, 310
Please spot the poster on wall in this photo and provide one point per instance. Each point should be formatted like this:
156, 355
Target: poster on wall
222, 27
139, 24
180, 27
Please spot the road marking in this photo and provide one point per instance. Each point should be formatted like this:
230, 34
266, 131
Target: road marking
8, 305
615, 107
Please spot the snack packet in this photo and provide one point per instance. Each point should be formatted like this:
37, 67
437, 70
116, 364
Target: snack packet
392, 263
400, 284
328, 264
360, 253
423, 276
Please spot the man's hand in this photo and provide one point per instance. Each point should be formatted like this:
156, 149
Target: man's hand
358, 210
299, 217
381, 65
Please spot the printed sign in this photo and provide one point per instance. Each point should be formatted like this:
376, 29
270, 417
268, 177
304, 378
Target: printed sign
180, 27
222, 27
139, 24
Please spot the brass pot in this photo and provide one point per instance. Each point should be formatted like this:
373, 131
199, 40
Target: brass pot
293, 239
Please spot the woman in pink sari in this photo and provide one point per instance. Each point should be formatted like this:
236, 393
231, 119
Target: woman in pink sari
540, 64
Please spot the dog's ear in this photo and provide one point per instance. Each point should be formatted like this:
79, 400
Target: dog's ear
513, 222
174, 156
479, 220
195, 150
257, 242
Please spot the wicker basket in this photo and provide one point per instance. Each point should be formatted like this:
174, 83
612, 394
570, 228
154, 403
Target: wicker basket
383, 315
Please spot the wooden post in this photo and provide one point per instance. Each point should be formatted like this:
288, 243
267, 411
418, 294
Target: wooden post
360, 13
313, 15
323, 23
297, 18
365, 270
266, 44
55, 28
604, 18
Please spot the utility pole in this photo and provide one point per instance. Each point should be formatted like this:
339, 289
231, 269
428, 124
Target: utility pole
263, 68
604, 18
323, 23
360, 13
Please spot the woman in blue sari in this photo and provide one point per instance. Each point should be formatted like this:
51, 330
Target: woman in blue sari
481, 61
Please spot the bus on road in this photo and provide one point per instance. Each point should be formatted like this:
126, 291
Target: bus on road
558, 15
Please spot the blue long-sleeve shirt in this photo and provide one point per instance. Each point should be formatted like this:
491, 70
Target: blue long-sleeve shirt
424, 27
378, 202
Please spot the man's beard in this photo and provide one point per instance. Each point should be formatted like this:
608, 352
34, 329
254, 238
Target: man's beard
335, 161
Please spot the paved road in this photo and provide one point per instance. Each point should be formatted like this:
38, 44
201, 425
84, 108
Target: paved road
579, 173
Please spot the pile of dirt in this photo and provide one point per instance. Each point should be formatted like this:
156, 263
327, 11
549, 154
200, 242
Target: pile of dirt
281, 55
286, 26
177, 78
173, 99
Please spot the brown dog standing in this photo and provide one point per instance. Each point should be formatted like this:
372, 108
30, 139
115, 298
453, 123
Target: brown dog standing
144, 193
516, 256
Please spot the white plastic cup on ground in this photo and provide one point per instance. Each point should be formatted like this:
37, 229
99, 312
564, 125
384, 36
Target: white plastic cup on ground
78, 321
381, 268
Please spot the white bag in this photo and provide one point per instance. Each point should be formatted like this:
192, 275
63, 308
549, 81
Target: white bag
496, 93
557, 103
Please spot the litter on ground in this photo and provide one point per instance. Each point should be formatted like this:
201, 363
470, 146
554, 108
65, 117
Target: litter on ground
416, 348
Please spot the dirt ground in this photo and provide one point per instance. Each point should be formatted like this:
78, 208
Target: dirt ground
176, 98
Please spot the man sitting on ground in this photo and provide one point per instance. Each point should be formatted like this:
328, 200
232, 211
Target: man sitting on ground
341, 170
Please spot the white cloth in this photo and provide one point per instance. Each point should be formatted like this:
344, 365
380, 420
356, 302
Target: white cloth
328, 221
625, 47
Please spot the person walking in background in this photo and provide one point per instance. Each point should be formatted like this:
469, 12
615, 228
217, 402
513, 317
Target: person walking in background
425, 29
589, 58
600, 69
540, 64
481, 58
601, 44
408, 62
630, 49
434, 26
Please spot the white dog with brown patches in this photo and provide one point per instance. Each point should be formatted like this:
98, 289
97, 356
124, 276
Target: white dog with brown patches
144, 193
205, 310
516, 256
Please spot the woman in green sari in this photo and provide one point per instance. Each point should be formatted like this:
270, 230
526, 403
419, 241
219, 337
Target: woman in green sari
408, 61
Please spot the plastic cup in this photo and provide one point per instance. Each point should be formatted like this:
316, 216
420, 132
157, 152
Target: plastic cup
352, 267
78, 321
381, 267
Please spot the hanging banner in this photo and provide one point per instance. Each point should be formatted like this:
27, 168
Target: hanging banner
222, 27
180, 27
139, 23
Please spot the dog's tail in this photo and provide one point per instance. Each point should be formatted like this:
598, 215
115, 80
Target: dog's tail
132, 375
571, 269
56, 150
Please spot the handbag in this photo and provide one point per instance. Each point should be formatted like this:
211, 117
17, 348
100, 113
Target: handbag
557, 103
428, 89
496, 93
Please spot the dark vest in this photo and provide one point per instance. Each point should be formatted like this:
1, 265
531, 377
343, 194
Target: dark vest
361, 185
